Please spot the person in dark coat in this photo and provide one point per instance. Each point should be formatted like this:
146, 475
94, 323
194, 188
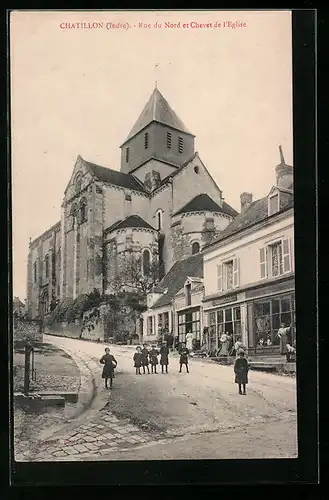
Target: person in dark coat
241, 368
145, 362
183, 360
164, 359
138, 360
154, 353
109, 362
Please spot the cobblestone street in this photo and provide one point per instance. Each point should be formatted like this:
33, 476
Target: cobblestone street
170, 415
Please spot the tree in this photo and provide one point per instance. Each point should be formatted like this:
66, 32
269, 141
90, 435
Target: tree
130, 274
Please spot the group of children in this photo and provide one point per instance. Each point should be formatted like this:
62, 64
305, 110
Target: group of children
145, 357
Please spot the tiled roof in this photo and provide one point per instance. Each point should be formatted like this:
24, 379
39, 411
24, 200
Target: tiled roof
115, 177
131, 221
257, 212
174, 280
203, 202
157, 109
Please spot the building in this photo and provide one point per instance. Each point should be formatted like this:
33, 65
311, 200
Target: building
162, 205
249, 270
18, 307
175, 304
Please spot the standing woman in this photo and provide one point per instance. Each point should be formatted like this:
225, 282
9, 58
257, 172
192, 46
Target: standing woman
164, 359
138, 360
224, 339
283, 336
109, 362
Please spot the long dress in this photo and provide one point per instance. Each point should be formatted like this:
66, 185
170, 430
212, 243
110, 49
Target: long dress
241, 369
164, 353
138, 359
145, 359
283, 335
109, 363
189, 341
224, 341
154, 357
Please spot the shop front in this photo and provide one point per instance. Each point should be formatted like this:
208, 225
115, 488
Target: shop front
189, 321
265, 316
224, 320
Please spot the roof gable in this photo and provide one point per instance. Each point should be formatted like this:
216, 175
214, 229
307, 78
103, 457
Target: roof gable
203, 203
133, 221
174, 280
157, 109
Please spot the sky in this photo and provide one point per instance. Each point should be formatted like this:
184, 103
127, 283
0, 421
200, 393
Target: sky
80, 90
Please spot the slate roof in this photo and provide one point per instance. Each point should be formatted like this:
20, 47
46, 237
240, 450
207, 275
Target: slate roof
131, 221
174, 280
257, 212
115, 177
203, 202
157, 109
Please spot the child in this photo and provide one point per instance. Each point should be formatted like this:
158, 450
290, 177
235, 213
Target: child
109, 363
164, 360
183, 360
241, 369
154, 353
138, 359
145, 361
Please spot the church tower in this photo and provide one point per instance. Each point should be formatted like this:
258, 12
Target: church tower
159, 141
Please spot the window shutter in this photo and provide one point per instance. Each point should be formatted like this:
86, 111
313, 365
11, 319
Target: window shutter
286, 255
262, 258
219, 278
235, 272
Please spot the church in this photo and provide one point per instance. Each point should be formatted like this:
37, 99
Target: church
162, 205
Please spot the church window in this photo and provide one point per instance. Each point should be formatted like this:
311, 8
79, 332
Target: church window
195, 248
47, 266
146, 262
78, 182
35, 272
127, 155
168, 140
159, 219
146, 140
83, 211
180, 145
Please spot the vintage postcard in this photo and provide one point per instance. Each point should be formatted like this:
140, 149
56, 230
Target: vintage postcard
153, 235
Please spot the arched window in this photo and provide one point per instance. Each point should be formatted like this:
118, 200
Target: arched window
146, 262
159, 219
83, 210
78, 181
74, 210
195, 248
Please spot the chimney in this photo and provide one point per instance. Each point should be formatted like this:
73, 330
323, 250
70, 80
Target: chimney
246, 201
284, 173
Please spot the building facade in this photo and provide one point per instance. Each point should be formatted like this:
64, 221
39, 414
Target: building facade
249, 271
162, 206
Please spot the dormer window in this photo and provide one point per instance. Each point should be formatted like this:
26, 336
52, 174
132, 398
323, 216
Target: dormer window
146, 140
127, 155
180, 145
168, 140
273, 204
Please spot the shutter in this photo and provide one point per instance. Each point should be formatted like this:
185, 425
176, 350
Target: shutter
262, 258
219, 278
286, 255
235, 272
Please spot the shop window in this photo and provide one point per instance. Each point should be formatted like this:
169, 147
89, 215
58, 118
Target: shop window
268, 316
227, 320
189, 322
195, 248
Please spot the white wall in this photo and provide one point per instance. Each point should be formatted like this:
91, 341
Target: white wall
246, 249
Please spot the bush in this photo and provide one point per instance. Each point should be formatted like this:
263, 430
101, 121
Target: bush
60, 312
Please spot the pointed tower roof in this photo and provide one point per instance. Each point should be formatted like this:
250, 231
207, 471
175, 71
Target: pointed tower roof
157, 109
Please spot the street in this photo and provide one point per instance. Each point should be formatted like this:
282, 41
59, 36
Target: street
199, 415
